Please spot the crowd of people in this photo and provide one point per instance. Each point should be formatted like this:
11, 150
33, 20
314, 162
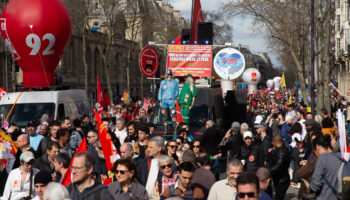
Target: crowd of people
278, 145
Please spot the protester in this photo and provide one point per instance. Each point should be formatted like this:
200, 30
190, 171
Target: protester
232, 141
77, 135
141, 145
84, 186
278, 165
171, 148
45, 162
41, 180
56, 191
126, 187
264, 183
226, 188
183, 187
127, 150
20, 182
120, 130
166, 178
92, 137
54, 127
248, 186
251, 154
61, 163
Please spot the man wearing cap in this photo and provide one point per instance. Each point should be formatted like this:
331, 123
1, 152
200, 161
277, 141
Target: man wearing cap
168, 93
19, 183
40, 184
34, 138
232, 142
251, 155
187, 96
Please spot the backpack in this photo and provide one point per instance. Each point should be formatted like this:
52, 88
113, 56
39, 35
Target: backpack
344, 179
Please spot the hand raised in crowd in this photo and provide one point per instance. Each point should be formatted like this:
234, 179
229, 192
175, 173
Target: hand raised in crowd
228, 133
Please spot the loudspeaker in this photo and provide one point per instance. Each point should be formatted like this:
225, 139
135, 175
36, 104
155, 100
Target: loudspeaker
235, 107
205, 33
186, 36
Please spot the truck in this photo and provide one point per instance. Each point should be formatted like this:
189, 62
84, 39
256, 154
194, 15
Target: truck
31, 105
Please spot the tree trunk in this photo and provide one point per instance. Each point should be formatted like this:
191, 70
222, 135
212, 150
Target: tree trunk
327, 70
128, 70
300, 76
106, 67
86, 67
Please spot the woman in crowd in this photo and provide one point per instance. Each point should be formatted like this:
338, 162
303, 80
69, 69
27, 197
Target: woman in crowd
20, 182
171, 148
167, 178
196, 147
126, 187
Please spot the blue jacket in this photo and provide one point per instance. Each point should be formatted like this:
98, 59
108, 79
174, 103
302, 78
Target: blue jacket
285, 134
168, 90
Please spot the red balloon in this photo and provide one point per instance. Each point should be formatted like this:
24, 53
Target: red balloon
36, 32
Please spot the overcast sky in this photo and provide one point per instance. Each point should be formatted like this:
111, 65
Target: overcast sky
242, 31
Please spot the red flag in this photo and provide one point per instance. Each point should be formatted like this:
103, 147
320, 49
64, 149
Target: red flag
102, 97
179, 118
197, 16
109, 151
146, 103
136, 111
67, 178
178, 40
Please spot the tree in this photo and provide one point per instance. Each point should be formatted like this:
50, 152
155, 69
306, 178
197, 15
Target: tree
287, 23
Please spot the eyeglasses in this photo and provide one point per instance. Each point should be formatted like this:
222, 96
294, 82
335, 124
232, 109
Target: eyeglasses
249, 194
173, 146
196, 146
122, 172
166, 166
76, 168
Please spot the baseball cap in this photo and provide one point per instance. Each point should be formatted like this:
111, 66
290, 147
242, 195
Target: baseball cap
247, 134
235, 125
258, 119
26, 156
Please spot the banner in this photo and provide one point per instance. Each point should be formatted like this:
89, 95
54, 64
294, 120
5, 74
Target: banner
102, 97
3, 92
8, 150
109, 151
190, 59
67, 177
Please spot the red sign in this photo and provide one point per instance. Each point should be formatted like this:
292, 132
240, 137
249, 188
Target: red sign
149, 62
36, 32
190, 59
3, 92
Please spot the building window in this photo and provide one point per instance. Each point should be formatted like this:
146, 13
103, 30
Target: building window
337, 27
338, 44
346, 9
337, 4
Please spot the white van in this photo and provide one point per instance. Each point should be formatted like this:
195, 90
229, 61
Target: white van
32, 105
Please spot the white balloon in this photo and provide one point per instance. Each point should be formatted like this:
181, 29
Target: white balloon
251, 77
269, 84
277, 82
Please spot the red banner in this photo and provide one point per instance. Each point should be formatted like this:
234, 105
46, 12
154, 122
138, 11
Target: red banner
67, 177
102, 97
109, 151
190, 59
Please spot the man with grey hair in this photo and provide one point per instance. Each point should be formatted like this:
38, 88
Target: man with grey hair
120, 130
226, 189
209, 123
148, 167
126, 150
232, 141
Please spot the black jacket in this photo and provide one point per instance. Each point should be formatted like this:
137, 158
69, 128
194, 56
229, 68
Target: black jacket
95, 192
253, 157
43, 164
209, 141
265, 144
232, 146
278, 164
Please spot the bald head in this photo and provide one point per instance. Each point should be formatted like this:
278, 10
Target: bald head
22, 141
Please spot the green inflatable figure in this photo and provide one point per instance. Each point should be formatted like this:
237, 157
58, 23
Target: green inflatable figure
186, 98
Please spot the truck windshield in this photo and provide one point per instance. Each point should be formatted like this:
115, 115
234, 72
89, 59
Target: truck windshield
23, 113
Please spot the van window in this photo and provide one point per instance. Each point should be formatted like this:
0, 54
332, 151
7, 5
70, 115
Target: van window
23, 113
60, 112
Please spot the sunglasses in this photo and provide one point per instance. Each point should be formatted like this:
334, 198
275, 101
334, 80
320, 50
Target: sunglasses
178, 143
122, 172
249, 194
165, 166
173, 146
196, 146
